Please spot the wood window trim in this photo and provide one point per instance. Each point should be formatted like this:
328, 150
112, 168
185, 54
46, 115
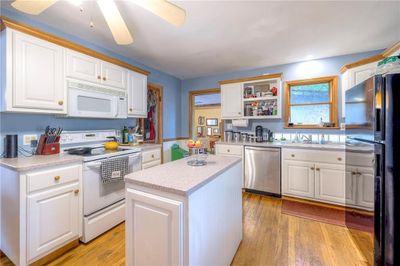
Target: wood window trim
334, 118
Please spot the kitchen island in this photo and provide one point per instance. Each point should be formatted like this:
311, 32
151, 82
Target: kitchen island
178, 214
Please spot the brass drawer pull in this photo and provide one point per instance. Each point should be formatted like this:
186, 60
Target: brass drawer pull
353, 173
339, 158
130, 109
60, 102
292, 155
152, 156
228, 150
76, 191
312, 168
57, 178
104, 78
99, 77
317, 169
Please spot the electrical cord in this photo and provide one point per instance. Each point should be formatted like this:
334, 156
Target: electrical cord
27, 152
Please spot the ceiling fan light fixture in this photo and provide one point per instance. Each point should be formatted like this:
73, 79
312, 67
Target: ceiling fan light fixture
32, 7
165, 10
115, 22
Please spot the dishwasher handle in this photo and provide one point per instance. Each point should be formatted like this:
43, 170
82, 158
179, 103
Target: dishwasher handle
277, 149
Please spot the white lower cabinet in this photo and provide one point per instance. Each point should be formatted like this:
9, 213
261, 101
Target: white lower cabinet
53, 219
298, 178
151, 158
41, 211
330, 183
365, 187
156, 222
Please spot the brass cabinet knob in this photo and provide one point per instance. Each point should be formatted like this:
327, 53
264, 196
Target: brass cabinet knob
98, 77
312, 168
239, 113
130, 109
60, 102
152, 156
353, 173
339, 158
292, 155
76, 191
57, 177
317, 169
228, 150
104, 78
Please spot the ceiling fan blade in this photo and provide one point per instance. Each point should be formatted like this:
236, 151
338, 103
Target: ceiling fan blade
33, 7
115, 22
165, 10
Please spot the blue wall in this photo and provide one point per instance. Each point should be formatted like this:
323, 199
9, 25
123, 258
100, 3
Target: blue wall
302, 70
26, 124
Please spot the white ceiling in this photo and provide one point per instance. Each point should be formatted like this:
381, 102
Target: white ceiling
221, 36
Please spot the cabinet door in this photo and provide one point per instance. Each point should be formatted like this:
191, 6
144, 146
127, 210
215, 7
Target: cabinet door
361, 73
81, 66
231, 101
53, 219
351, 186
330, 183
113, 75
365, 188
298, 178
137, 95
154, 229
38, 74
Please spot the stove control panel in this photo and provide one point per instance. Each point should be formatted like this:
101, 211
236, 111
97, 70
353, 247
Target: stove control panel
75, 137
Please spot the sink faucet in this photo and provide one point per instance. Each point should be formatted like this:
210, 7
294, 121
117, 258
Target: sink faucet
307, 139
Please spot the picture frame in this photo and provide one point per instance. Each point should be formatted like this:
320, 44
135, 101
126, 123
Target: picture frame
212, 122
200, 131
200, 120
209, 131
216, 131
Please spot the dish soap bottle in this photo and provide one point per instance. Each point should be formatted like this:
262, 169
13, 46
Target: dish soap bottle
125, 134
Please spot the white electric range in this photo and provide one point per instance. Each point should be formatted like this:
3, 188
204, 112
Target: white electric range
103, 204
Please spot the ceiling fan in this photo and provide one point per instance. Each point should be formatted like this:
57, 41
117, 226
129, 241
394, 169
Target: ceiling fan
162, 8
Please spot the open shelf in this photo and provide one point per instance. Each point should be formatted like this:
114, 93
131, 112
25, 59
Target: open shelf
260, 99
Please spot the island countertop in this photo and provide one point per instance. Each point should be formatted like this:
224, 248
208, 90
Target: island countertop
178, 177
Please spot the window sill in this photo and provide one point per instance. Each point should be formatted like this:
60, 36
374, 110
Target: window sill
309, 127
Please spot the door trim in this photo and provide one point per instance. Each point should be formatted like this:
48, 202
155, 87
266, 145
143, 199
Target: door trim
194, 93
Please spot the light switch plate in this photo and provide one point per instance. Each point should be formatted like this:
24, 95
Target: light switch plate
28, 138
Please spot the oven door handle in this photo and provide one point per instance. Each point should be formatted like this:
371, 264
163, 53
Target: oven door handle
97, 164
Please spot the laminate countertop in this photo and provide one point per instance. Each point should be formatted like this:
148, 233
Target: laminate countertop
178, 177
314, 146
22, 164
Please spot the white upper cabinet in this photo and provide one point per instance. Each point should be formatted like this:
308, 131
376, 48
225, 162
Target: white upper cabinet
137, 94
37, 78
82, 67
231, 101
113, 75
88, 68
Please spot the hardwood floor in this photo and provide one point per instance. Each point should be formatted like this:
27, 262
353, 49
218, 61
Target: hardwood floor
270, 238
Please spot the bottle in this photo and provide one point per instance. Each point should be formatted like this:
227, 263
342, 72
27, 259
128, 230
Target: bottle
321, 122
125, 133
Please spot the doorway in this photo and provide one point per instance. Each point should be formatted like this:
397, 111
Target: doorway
205, 122
152, 125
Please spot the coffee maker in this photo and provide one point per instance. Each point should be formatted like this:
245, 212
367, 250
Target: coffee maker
259, 134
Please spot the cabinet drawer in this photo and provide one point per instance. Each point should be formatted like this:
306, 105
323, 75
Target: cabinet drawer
235, 150
53, 177
151, 155
151, 164
335, 157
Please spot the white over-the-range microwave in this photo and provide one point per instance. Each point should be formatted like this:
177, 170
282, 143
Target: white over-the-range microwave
87, 100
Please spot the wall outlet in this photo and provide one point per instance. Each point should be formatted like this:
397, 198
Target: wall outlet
28, 138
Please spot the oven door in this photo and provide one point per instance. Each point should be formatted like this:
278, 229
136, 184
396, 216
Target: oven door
84, 103
96, 195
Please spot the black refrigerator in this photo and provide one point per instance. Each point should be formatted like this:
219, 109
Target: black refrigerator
373, 166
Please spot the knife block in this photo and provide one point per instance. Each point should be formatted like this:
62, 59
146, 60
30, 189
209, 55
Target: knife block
44, 148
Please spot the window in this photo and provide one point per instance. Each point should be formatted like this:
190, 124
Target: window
309, 101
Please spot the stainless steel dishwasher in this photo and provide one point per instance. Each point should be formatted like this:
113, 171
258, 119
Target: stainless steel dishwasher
262, 170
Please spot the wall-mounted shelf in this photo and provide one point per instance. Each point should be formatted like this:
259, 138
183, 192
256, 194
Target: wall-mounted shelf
260, 99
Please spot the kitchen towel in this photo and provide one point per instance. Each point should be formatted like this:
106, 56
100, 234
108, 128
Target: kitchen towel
114, 169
